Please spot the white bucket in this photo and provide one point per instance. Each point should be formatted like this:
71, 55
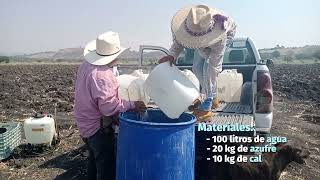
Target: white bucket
229, 85
170, 89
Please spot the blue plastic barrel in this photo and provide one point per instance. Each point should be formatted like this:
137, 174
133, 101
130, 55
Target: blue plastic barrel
154, 147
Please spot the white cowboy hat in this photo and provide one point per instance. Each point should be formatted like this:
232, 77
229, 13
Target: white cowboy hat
104, 49
199, 26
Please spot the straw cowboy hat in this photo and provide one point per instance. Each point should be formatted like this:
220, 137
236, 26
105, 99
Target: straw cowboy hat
199, 26
104, 49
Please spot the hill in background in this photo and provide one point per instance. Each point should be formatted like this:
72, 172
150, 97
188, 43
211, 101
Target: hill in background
74, 55
68, 55
289, 54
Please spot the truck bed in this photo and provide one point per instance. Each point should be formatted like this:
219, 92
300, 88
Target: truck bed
234, 107
232, 113
228, 113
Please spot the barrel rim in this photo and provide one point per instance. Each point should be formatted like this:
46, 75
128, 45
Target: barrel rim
192, 121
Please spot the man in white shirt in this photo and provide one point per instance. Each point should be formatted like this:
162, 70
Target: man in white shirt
208, 31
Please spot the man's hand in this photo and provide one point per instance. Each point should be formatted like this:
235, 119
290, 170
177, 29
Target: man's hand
139, 106
167, 58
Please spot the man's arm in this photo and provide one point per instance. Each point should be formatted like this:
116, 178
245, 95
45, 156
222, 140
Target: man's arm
174, 51
231, 32
218, 49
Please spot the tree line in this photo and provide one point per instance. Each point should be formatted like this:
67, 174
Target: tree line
290, 55
4, 59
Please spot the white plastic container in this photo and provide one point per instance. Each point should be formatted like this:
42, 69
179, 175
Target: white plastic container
170, 89
39, 130
229, 85
131, 88
192, 77
139, 73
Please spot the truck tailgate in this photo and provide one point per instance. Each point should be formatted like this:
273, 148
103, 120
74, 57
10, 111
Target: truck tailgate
221, 118
234, 107
228, 118
234, 113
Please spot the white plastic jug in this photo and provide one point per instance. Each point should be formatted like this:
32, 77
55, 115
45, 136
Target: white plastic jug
170, 89
39, 130
139, 73
192, 77
131, 88
229, 85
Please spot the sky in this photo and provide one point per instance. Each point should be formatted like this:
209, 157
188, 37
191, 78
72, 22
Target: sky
38, 25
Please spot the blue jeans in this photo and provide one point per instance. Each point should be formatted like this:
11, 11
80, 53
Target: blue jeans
102, 158
202, 71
